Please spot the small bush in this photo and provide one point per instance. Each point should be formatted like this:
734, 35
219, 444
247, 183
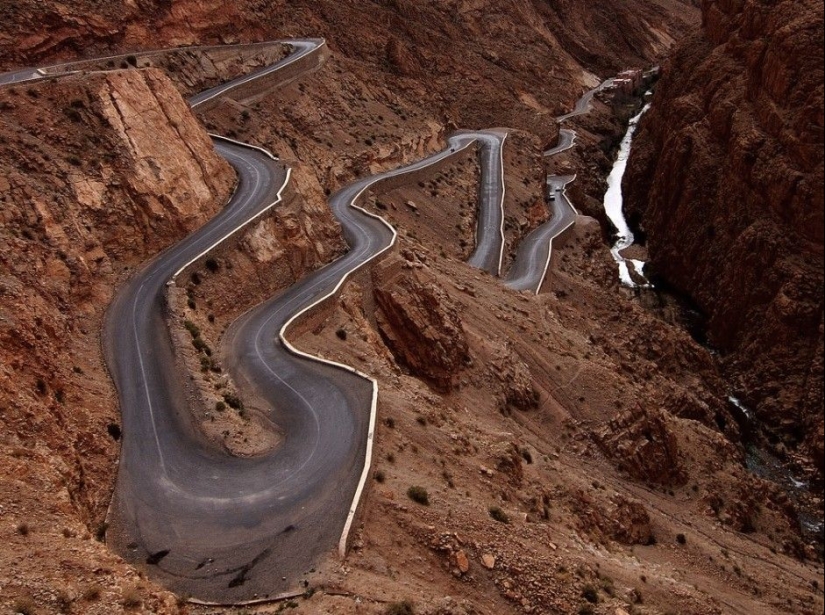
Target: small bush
380, 477
681, 539
389, 422
212, 265
23, 529
131, 598
73, 114
342, 334
233, 401
193, 329
220, 406
499, 515
401, 608
419, 495
25, 606
591, 594
114, 431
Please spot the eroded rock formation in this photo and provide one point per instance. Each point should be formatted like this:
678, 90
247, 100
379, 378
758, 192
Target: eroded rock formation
419, 323
726, 179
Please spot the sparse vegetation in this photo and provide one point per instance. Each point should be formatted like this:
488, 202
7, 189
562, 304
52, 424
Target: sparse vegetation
591, 594
92, 593
25, 606
497, 514
681, 539
131, 598
233, 401
419, 495
401, 608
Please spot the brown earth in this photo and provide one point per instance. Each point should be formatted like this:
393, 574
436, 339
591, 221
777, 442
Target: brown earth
726, 180
522, 431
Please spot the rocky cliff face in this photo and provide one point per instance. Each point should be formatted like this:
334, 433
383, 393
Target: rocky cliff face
96, 175
727, 182
419, 323
518, 57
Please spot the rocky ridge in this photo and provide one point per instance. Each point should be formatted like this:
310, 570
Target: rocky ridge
726, 180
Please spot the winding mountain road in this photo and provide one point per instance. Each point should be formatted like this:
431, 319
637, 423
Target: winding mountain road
533, 258
227, 529
532, 261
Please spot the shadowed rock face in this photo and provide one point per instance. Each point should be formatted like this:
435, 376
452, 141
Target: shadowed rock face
641, 443
420, 324
727, 181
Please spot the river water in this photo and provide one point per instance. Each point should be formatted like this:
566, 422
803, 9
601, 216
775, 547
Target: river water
614, 208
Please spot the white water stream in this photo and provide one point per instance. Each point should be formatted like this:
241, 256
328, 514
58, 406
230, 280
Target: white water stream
614, 207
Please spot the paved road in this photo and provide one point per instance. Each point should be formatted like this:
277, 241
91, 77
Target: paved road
533, 258
567, 138
20, 76
489, 251
301, 49
584, 103
225, 529
529, 269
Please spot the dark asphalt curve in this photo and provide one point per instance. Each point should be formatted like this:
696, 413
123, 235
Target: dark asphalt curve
529, 269
225, 529
269, 521
533, 258
489, 251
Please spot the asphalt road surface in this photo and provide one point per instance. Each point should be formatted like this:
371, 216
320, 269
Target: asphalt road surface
489, 250
217, 527
533, 258
583, 104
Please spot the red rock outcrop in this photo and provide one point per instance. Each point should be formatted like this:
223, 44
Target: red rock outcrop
641, 443
96, 175
726, 179
419, 323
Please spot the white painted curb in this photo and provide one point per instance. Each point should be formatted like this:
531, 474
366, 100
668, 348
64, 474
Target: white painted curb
342, 543
557, 235
503, 196
237, 229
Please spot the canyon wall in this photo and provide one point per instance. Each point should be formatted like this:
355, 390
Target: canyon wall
726, 180
97, 174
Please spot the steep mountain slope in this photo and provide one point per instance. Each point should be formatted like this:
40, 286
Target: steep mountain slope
727, 181
578, 417
512, 54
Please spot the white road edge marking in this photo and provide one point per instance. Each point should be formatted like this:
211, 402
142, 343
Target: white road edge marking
557, 235
246, 223
503, 196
